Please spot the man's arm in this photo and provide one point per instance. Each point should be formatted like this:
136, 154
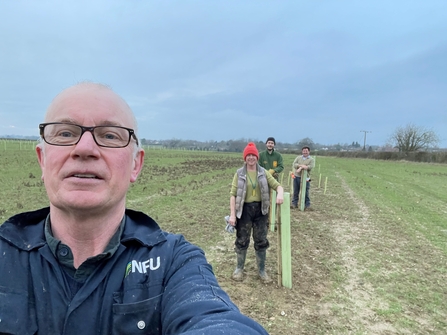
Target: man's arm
279, 195
308, 165
274, 184
194, 303
295, 164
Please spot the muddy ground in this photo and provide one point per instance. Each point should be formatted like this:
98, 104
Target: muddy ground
321, 250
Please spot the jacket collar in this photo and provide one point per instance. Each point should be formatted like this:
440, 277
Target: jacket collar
26, 230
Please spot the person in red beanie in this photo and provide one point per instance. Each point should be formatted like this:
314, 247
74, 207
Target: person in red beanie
249, 206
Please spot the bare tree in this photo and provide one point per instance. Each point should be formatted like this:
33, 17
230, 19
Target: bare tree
306, 142
413, 138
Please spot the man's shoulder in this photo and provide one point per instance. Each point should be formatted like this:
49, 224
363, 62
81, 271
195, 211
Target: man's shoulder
266, 153
25, 230
144, 233
276, 153
142, 228
28, 218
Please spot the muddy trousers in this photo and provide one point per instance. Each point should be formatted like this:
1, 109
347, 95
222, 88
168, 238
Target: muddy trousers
252, 220
296, 192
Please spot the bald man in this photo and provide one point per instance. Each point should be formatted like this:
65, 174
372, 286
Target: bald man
88, 265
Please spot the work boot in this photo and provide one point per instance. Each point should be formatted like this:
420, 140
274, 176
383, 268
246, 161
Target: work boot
260, 261
238, 274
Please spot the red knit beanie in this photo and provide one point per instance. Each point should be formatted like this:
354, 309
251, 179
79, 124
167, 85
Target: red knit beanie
251, 149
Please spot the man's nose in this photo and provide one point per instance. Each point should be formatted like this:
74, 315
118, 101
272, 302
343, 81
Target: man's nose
86, 144
87, 133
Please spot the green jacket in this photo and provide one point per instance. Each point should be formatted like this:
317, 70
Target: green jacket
271, 161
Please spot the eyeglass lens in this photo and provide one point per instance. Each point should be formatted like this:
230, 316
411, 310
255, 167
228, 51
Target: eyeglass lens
68, 134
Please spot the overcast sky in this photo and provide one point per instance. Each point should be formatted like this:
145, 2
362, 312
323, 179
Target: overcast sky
220, 70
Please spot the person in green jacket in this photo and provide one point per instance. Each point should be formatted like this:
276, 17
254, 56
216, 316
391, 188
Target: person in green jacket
270, 159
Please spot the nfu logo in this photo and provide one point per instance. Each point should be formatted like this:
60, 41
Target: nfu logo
142, 267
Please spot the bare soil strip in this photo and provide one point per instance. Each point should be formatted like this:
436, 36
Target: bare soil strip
359, 294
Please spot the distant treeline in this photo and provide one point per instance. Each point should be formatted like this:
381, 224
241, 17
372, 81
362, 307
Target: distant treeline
420, 156
239, 145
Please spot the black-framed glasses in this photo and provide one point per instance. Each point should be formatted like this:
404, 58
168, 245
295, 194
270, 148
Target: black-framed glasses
66, 134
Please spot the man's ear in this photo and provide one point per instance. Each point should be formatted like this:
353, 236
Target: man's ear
41, 157
137, 165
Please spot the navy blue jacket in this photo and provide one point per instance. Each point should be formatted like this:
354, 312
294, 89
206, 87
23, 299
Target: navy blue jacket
155, 283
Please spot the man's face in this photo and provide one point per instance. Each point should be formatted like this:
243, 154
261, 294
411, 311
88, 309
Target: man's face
305, 152
251, 160
270, 145
85, 176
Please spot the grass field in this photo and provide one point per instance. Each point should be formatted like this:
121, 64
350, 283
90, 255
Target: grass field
370, 259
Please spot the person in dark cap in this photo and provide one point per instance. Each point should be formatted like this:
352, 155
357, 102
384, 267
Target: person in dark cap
249, 206
270, 159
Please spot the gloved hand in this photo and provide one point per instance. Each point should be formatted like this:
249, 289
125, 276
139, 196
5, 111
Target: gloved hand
272, 171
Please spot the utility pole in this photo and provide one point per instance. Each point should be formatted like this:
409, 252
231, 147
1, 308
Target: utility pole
364, 139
